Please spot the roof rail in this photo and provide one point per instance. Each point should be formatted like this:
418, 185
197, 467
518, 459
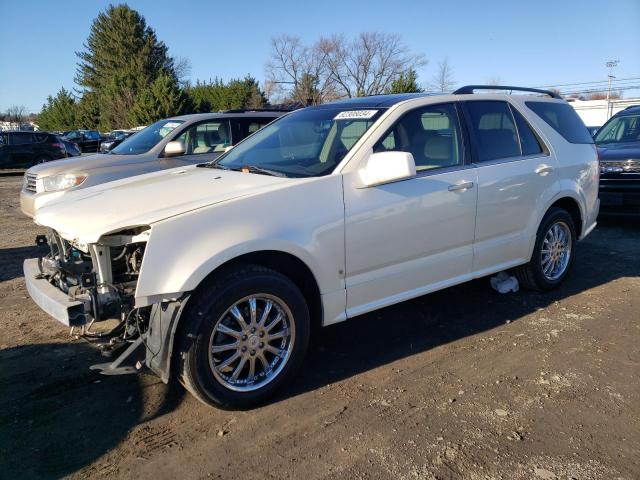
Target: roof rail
470, 89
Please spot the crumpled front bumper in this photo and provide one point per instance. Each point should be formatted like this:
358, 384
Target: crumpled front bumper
55, 302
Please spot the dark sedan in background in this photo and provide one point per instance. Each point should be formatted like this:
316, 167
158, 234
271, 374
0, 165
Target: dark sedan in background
618, 143
87, 140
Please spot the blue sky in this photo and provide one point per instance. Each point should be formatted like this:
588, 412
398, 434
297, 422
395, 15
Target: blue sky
521, 43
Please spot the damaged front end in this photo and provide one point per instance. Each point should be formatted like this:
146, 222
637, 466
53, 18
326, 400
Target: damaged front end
83, 284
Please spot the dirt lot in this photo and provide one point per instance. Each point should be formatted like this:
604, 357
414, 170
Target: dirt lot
464, 383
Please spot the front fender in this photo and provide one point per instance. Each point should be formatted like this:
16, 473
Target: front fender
305, 219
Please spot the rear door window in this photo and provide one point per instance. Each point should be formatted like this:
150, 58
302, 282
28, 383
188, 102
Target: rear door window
563, 119
528, 140
494, 130
248, 126
40, 137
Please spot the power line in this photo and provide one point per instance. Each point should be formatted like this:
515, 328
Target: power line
587, 83
598, 90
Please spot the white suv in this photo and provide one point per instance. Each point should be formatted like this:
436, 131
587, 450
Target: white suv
218, 272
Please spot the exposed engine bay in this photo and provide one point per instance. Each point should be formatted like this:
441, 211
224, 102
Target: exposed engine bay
103, 277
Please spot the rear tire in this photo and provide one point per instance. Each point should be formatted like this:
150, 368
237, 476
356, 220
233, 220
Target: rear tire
255, 315
552, 254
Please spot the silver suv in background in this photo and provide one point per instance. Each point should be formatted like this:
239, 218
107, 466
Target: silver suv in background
169, 143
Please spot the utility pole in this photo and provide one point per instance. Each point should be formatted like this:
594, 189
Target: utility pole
611, 64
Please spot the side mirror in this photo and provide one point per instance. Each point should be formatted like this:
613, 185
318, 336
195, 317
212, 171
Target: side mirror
174, 148
387, 167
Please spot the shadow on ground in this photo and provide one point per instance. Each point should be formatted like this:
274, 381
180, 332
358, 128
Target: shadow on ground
57, 416
11, 260
612, 251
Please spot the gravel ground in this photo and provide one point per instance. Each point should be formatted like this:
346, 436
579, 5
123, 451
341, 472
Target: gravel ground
463, 383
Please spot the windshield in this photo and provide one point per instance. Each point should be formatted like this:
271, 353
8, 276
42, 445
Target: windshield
306, 143
625, 129
146, 139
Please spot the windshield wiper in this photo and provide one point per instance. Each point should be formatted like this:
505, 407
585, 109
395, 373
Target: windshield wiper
213, 165
260, 170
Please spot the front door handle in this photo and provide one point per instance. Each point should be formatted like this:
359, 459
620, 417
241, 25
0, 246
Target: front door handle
544, 169
460, 186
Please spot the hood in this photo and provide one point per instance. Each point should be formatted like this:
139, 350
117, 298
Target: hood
85, 215
619, 151
84, 164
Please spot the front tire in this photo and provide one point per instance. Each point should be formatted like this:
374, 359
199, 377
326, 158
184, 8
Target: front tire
552, 254
244, 337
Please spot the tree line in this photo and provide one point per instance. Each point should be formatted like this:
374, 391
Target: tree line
125, 76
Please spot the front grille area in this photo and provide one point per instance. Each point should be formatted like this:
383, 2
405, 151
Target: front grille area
30, 182
620, 166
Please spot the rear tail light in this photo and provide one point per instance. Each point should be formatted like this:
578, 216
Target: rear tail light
58, 145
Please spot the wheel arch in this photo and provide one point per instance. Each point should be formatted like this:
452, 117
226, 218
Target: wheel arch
282, 262
168, 319
567, 200
572, 206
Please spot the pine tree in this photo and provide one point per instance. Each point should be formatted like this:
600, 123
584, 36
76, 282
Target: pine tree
161, 100
122, 57
406, 83
59, 113
88, 111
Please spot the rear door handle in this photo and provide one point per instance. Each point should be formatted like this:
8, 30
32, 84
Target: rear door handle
544, 169
460, 186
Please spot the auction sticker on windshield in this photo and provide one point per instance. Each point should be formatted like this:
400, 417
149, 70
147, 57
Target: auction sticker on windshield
355, 114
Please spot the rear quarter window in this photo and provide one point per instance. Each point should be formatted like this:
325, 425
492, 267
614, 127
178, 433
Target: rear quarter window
563, 119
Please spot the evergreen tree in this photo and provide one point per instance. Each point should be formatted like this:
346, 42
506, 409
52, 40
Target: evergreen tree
59, 113
88, 111
161, 100
122, 57
214, 96
406, 83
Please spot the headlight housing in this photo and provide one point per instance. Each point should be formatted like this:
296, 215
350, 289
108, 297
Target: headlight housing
63, 181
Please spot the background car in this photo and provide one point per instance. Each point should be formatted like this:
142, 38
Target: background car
25, 149
87, 140
115, 138
618, 143
173, 142
72, 148
593, 130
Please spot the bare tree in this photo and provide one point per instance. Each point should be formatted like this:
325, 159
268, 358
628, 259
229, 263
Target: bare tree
335, 67
368, 64
443, 80
182, 69
303, 68
16, 114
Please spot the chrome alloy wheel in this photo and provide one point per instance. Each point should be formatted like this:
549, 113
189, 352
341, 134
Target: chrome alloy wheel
251, 342
556, 250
